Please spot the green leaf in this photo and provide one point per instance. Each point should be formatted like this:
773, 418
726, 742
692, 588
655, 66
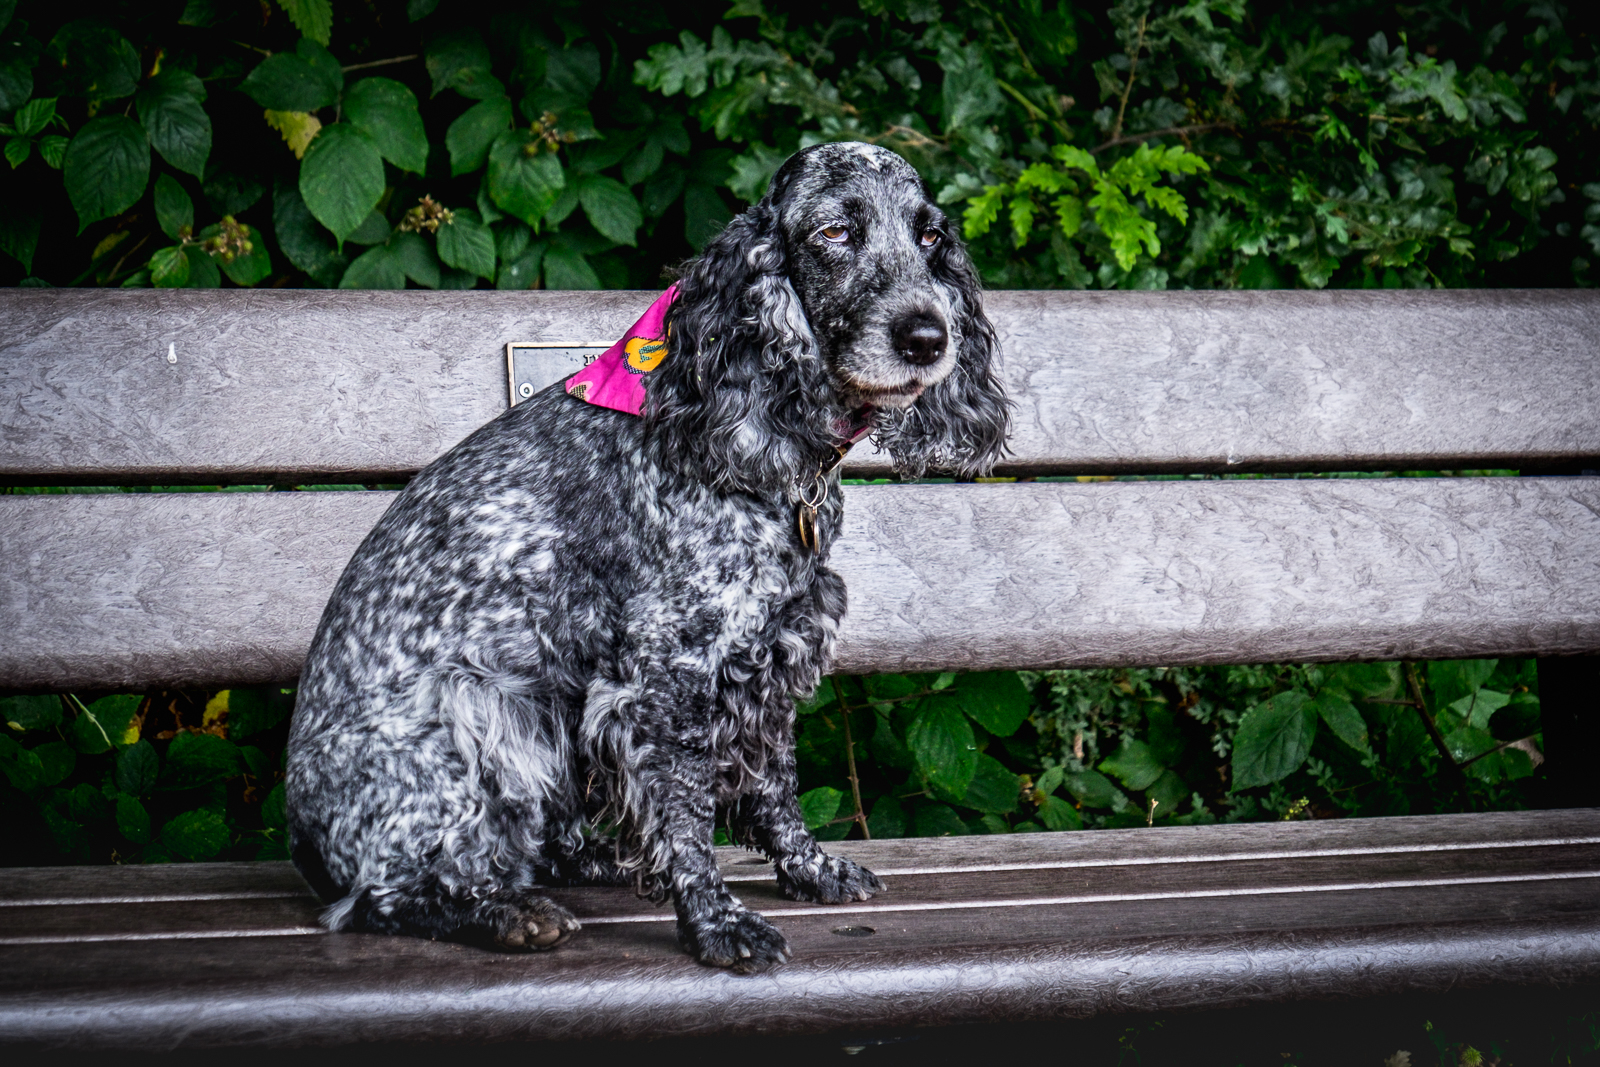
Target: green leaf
1362, 680
420, 9
341, 178
17, 151
704, 214
203, 272
523, 185
30, 713
107, 165
169, 268
251, 267
32, 117
460, 60
230, 192
321, 61
1451, 679
887, 820
138, 767
1343, 719
470, 135
826, 694
178, 127
1478, 708
1274, 739
22, 768
941, 741
565, 268
1093, 789
275, 809
305, 242
18, 53
1134, 765
416, 257
287, 82
57, 760
133, 821
387, 111
373, 231
820, 806
104, 724
522, 272
996, 700
1168, 792
195, 835
195, 760
95, 61
53, 150
314, 18
1057, 814
174, 208
993, 789
467, 244
376, 268
939, 820
612, 210
19, 236
889, 686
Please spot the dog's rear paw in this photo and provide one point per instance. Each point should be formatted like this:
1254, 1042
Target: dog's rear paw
740, 940
828, 880
538, 925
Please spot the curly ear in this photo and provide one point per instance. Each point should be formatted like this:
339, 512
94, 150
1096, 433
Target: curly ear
960, 425
735, 403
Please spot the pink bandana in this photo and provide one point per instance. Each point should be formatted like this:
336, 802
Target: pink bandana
616, 379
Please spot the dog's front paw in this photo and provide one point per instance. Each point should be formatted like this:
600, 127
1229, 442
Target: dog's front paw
827, 880
738, 939
537, 925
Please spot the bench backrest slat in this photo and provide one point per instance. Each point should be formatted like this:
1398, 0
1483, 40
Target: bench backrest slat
297, 386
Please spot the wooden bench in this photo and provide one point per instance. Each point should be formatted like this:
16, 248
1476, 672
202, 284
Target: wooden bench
128, 591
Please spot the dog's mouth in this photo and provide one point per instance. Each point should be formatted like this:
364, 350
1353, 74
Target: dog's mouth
897, 396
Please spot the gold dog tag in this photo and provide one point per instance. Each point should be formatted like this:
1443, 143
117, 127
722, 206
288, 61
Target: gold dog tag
805, 517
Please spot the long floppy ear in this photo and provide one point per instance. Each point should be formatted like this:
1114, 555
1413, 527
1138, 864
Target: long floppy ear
960, 425
736, 402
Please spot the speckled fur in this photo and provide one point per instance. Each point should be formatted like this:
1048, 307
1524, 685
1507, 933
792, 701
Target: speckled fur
578, 636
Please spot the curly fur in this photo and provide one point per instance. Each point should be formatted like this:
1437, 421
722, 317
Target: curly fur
581, 619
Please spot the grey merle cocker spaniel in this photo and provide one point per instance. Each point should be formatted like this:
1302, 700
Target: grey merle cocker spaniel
582, 619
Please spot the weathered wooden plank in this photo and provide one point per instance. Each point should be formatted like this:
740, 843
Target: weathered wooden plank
197, 589
376, 384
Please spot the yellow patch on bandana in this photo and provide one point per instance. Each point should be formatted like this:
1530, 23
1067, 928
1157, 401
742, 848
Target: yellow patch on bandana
645, 353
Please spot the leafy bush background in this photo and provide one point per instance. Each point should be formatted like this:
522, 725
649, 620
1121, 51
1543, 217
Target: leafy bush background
1209, 144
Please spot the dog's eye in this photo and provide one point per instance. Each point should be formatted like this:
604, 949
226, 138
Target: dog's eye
836, 234
931, 237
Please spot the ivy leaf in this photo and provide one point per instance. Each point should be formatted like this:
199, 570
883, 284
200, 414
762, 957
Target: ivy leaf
1274, 739
612, 210
305, 242
820, 806
1134, 765
195, 760
133, 821
524, 180
341, 179
106, 168
387, 112
169, 268
174, 208
996, 700
30, 713
138, 767
314, 18
195, 835
1343, 719
941, 741
470, 135
416, 258
566, 268
178, 127
467, 244
376, 268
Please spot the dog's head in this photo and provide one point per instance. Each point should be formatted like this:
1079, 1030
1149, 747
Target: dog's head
845, 294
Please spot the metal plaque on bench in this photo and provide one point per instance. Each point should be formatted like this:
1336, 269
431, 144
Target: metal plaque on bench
535, 365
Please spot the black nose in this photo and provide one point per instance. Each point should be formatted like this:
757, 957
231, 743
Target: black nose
919, 339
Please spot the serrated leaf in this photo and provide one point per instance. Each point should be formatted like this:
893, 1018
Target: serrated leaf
249, 268
387, 111
57, 760
203, 272
1057, 814
133, 821
470, 135
169, 268
457, 59
376, 268
106, 167
138, 768
1451, 679
566, 268
704, 214
195, 760
1343, 719
888, 818
229, 192
177, 126
996, 700
939, 820
30, 713
1168, 792
523, 271
611, 209
1274, 739
467, 244
341, 178
95, 61
820, 806
416, 257
17, 151
287, 82
373, 231
174, 208
314, 18
19, 236
18, 53
53, 150
21, 767
299, 128
195, 835
825, 695
1479, 707
1134, 765
33, 116
524, 185
942, 743
304, 241
275, 809
993, 788
1362, 680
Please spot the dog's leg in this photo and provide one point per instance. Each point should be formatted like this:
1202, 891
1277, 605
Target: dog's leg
769, 819
424, 907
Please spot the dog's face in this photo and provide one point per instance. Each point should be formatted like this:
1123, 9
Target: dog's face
866, 252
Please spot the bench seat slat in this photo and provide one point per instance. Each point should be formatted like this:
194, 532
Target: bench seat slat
956, 961
203, 589
377, 384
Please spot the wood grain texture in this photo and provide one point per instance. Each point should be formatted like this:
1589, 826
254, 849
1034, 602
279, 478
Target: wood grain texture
210, 589
221, 969
376, 384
